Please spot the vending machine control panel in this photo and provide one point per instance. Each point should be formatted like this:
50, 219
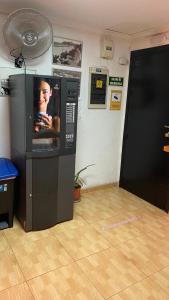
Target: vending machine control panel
71, 106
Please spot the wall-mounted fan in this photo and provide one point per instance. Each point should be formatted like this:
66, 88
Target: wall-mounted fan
28, 34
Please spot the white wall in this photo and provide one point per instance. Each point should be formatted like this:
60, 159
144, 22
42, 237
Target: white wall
99, 131
150, 41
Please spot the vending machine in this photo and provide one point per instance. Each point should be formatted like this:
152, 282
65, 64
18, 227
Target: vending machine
43, 146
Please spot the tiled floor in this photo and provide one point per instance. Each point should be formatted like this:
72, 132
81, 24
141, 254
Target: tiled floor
116, 248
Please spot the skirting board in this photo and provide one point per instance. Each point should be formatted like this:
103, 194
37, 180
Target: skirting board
100, 187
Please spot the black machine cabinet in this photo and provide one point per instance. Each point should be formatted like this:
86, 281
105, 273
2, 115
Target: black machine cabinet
43, 145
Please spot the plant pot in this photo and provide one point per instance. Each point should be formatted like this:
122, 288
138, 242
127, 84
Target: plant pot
76, 193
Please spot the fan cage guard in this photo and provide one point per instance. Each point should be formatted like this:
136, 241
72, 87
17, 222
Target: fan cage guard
31, 41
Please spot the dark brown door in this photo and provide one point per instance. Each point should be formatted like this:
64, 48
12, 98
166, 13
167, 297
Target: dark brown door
144, 165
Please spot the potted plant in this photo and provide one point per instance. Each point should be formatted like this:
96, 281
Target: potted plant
78, 183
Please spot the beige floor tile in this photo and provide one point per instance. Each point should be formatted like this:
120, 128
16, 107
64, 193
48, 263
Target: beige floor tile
3, 242
74, 224
160, 237
63, 284
146, 253
93, 212
132, 203
117, 239
144, 290
82, 241
154, 223
18, 292
110, 271
162, 279
100, 199
18, 235
119, 228
41, 256
107, 203
10, 273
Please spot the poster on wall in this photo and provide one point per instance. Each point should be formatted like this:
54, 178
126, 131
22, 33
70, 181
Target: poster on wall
115, 99
67, 52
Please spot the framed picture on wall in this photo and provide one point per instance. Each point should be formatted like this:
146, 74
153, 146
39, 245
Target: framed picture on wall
97, 87
67, 52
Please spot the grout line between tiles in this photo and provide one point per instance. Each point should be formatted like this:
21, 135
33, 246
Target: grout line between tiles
30, 290
139, 281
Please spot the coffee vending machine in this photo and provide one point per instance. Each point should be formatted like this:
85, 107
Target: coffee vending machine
43, 146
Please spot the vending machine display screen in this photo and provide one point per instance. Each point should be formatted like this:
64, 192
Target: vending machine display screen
46, 116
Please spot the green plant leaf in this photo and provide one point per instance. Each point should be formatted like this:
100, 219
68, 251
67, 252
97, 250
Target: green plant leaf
78, 173
78, 181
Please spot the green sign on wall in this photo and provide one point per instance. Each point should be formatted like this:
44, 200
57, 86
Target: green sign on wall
116, 81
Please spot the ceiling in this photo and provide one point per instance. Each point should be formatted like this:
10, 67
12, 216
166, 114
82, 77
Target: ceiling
130, 18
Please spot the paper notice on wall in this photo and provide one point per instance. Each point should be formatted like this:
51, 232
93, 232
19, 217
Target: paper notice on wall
115, 99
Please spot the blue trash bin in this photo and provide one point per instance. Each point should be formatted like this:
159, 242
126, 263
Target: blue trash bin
8, 173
